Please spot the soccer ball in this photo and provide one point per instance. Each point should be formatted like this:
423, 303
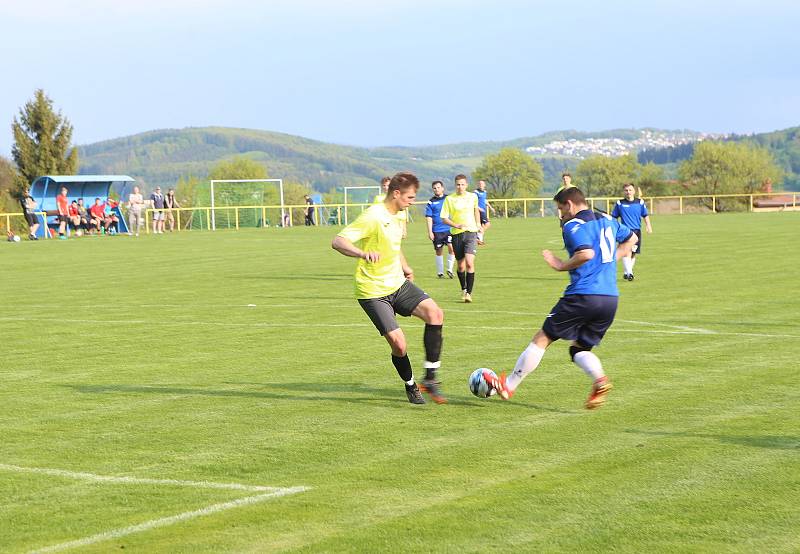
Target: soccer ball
16, 238
478, 385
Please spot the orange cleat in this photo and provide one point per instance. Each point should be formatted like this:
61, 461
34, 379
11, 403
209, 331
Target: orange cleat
498, 384
600, 390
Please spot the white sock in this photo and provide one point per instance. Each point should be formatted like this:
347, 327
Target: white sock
411, 382
451, 261
627, 265
526, 363
480, 235
590, 364
439, 265
633, 263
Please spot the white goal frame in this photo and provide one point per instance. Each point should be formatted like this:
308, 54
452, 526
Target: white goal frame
346, 222
278, 181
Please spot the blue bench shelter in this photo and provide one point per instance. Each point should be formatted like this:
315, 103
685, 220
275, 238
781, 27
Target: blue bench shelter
45, 189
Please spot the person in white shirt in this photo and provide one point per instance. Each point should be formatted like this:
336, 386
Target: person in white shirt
135, 207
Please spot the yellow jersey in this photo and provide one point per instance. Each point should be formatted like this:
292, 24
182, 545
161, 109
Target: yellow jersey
402, 214
460, 209
377, 230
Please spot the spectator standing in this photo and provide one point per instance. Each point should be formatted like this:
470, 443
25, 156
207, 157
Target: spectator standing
62, 204
309, 211
171, 204
158, 211
29, 209
135, 207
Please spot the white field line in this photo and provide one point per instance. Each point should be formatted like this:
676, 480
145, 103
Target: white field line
675, 329
137, 480
268, 492
165, 521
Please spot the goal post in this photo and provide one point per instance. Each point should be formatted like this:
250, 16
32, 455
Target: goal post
369, 200
278, 182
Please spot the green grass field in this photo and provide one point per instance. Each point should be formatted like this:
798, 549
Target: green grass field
241, 358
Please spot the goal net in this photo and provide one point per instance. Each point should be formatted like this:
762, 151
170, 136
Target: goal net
362, 195
241, 203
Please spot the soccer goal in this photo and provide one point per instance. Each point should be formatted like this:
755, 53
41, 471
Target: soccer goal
240, 203
359, 195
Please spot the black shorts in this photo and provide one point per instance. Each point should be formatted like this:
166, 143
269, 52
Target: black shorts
484, 216
442, 239
637, 248
31, 219
581, 317
63, 218
382, 310
465, 243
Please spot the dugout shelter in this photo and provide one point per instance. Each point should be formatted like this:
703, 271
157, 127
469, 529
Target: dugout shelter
45, 189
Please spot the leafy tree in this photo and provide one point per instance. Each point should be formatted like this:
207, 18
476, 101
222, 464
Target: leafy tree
8, 187
602, 176
510, 173
728, 168
242, 194
42, 140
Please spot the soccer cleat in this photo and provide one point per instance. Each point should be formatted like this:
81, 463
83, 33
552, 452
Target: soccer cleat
600, 390
449, 274
412, 392
440, 275
467, 298
480, 242
630, 277
463, 295
498, 383
432, 388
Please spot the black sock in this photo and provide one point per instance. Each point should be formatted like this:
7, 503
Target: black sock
462, 278
433, 347
470, 281
403, 366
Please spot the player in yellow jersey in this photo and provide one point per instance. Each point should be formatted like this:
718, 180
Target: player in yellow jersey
460, 212
384, 284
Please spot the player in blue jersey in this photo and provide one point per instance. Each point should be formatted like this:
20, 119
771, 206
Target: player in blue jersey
483, 207
630, 211
586, 311
438, 231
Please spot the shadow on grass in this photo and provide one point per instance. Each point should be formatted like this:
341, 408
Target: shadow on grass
763, 441
308, 391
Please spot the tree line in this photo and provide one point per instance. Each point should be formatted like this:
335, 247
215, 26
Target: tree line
43, 145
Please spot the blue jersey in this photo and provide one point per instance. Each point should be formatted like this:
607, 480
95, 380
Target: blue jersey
630, 212
601, 233
434, 210
481, 194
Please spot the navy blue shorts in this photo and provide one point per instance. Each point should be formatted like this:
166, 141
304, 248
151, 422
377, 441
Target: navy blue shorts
484, 216
637, 248
581, 317
441, 239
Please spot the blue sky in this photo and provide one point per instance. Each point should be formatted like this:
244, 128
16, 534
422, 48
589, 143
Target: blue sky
403, 72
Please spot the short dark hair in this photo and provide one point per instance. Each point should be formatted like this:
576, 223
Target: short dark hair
402, 181
460, 176
566, 174
385, 180
573, 194
437, 181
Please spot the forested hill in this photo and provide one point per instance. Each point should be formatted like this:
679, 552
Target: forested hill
163, 156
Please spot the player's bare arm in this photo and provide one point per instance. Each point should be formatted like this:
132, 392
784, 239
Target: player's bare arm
430, 227
647, 224
578, 259
407, 271
449, 222
625, 248
344, 246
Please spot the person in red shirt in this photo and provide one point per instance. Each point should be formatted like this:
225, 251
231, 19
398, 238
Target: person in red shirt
62, 203
97, 213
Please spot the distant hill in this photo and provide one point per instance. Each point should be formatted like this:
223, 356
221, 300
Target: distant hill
161, 157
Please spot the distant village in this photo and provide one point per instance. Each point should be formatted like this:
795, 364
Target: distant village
583, 148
